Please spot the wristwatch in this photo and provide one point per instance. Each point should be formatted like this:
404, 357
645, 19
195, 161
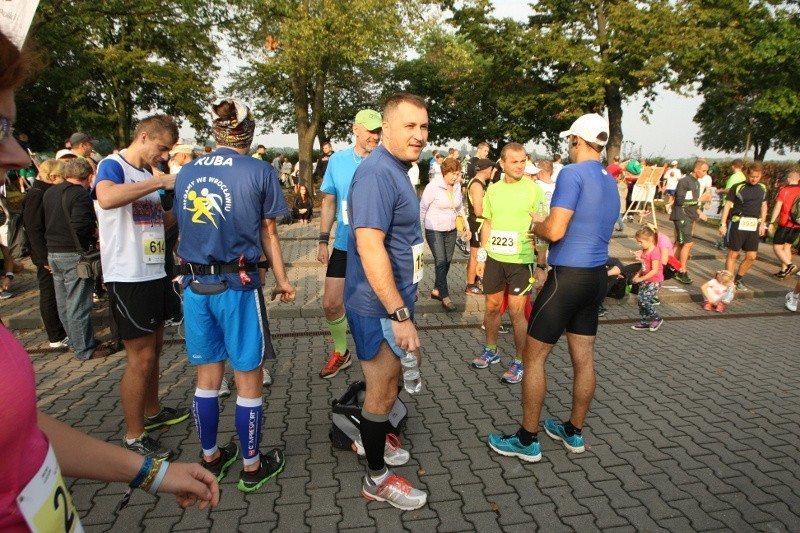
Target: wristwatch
401, 314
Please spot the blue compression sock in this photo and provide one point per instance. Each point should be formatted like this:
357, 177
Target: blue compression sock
248, 425
206, 418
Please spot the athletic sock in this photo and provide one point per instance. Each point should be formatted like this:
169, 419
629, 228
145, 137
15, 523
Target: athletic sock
378, 477
492, 347
131, 441
248, 426
206, 418
571, 430
373, 438
338, 329
526, 438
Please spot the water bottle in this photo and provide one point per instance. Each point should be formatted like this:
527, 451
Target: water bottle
411, 379
541, 212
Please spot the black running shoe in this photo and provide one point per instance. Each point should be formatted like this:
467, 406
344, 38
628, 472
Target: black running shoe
147, 447
272, 464
166, 417
227, 455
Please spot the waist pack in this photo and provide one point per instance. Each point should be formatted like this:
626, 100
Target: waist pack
346, 416
89, 266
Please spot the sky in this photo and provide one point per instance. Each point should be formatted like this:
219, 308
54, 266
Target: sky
669, 134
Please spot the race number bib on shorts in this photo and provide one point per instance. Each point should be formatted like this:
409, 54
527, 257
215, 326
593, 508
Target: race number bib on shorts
419, 261
45, 501
345, 219
154, 247
504, 242
748, 224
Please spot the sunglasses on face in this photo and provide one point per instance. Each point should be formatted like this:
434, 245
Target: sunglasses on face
6, 128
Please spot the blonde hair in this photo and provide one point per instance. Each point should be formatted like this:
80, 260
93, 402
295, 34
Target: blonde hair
723, 276
51, 168
647, 231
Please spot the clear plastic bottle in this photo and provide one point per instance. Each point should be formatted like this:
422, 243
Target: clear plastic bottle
541, 212
411, 378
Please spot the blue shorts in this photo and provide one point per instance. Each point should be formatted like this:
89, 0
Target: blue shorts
229, 325
368, 333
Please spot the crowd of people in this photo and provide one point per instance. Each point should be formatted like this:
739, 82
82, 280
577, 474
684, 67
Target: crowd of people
533, 226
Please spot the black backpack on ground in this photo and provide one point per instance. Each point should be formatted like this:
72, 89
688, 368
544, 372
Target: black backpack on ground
346, 416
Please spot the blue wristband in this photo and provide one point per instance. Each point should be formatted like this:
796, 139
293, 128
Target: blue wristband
146, 466
162, 471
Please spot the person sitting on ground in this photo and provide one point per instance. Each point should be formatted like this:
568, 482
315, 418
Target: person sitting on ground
718, 291
303, 208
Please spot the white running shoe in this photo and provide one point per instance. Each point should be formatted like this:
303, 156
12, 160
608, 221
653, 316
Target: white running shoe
64, 343
792, 301
224, 389
394, 490
393, 454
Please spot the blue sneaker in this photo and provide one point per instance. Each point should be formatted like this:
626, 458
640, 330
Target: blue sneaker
486, 358
514, 373
510, 446
557, 432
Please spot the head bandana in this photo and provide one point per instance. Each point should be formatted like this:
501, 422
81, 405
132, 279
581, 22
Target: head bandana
236, 132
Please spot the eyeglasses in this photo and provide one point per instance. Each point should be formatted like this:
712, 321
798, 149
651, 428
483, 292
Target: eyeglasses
6, 128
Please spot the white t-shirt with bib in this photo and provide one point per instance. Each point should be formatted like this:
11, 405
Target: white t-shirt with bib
131, 236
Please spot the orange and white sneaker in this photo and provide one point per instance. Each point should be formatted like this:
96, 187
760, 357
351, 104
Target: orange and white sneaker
336, 363
393, 454
394, 490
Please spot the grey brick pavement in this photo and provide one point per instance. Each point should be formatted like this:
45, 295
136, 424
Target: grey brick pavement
694, 427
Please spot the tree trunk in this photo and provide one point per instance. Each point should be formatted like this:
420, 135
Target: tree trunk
613, 102
760, 150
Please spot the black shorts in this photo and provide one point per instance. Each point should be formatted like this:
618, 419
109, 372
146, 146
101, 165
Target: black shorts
742, 240
516, 276
568, 300
785, 235
139, 307
475, 229
337, 264
683, 231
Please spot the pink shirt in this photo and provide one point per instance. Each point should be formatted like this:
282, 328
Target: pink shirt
23, 444
435, 209
662, 243
647, 265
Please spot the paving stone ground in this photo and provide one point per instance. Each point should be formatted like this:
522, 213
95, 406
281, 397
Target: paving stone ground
693, 428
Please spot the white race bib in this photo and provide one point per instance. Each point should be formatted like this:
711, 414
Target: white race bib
345, 219
748, 224
689, 196
45, 501
419, 261
503, 242
154, 247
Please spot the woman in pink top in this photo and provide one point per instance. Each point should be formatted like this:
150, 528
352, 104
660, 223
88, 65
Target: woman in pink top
38, 448
439, 207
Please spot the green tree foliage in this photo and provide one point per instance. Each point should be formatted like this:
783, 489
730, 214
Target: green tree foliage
749, 80
109, 62
317, 62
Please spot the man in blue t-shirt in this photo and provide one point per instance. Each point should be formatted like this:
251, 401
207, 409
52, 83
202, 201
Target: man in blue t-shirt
583, 211
226, 204
336, 183
384, 266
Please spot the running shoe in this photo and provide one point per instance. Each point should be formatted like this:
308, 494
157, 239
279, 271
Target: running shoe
739, 286
720, 307
272, 464
641, 327
396, 491
792, 300
503, 329
266, 379
557, 432
473, 290
510, 446
393, 454
63, 343
336, 363
224, 388
791, 268
227, 455
147, 447
486, 358
683, 277
514, 373
602, 311
708, 306
6, 295
655, 324
166, 417
656, 300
